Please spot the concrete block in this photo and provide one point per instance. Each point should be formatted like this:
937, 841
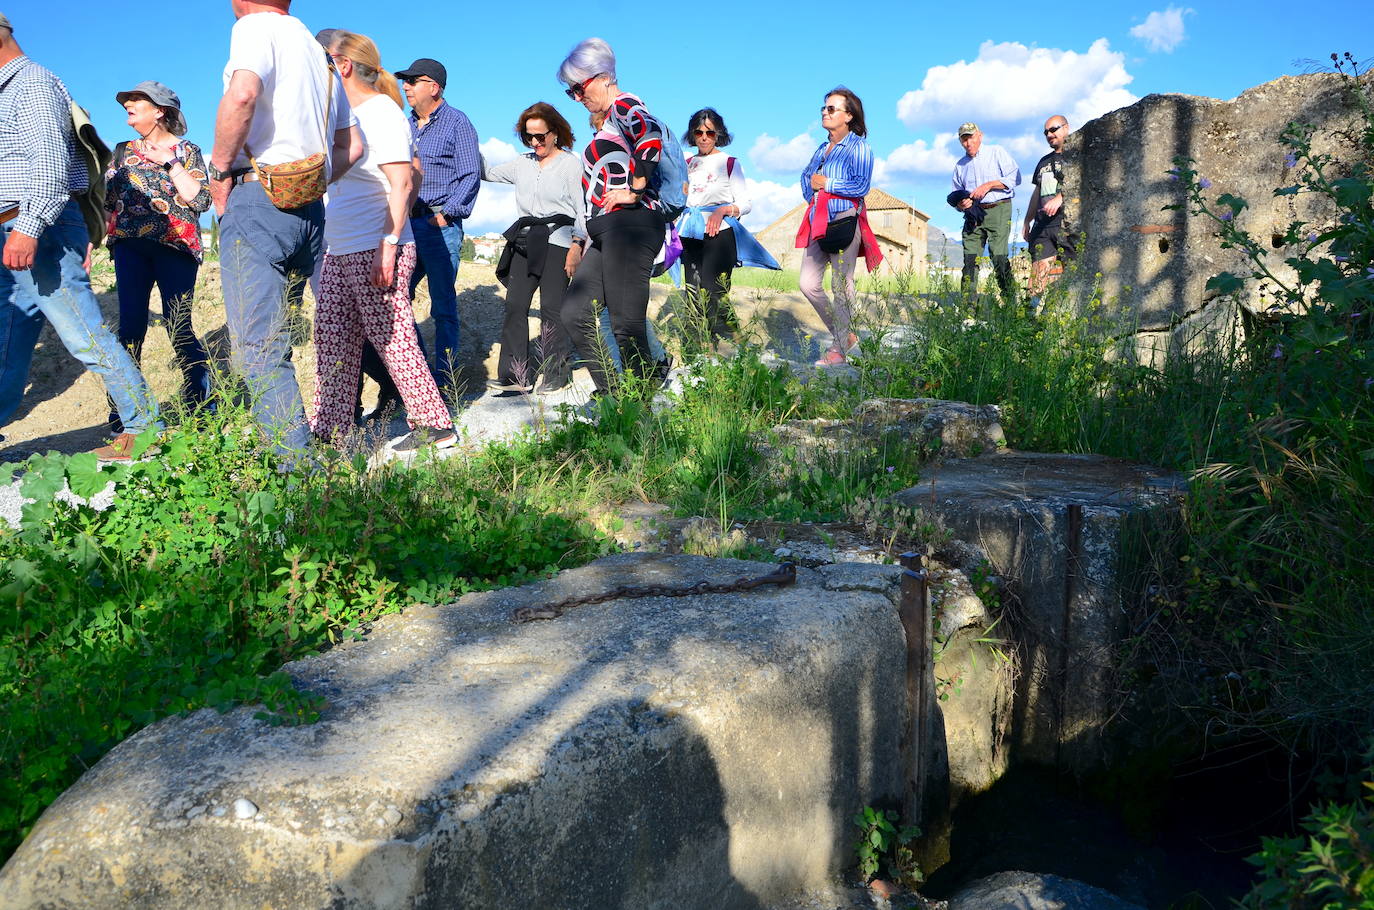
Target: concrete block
696, 752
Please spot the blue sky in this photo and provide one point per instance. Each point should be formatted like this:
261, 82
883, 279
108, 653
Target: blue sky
920, 68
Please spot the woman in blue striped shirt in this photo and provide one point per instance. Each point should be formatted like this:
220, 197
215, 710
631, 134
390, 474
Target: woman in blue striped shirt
838, 177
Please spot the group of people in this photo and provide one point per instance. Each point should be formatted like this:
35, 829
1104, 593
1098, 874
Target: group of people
317, 171
983, 186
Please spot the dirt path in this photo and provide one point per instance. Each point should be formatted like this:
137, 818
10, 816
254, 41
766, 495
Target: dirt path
64, 406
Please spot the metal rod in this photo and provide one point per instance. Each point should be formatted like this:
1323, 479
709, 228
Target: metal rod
914, 612
1072, 556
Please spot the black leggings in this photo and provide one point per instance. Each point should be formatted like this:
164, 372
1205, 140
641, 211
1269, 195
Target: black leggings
555, 345
615, 274
708, 264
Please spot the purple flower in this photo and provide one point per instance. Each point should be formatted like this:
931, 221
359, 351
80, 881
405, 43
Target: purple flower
1369, 381
1291, 160
1227, 216
890, 469
1312, 237
1340, 258
1204, 183
1278, 352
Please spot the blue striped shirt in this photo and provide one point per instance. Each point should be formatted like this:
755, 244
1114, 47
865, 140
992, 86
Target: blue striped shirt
450, 160
991, 163
39, 164
848, 170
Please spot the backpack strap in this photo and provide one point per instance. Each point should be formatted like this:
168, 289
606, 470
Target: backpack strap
120, 150
729, 166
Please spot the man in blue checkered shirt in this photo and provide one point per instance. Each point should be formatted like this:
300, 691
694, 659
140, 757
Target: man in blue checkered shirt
45, 246
452, 166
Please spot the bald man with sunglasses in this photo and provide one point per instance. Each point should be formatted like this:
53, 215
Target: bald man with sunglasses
1046, 229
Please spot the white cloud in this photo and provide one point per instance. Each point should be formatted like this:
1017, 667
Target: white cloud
1162, 30
494, 211
495, 208
917, 159
770, 154
769, 201
1010, 83
495, 151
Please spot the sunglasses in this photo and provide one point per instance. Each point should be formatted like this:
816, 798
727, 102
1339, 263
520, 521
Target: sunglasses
832, 109
709, 134
579, 89
1050, 131
535, 138
411, 80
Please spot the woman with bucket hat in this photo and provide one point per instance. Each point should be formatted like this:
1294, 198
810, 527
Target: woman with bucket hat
156, 191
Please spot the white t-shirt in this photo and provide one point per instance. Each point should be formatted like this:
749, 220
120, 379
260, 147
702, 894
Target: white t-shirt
710, 181
288, 119
355, 215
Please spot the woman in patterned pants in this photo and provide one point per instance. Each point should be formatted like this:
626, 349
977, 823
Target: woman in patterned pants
369, 258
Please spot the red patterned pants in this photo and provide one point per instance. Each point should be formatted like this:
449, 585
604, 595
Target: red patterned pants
350, 308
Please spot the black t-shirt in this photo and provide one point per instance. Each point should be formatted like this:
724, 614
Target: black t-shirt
1049, 169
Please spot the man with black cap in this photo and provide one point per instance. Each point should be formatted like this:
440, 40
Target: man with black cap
989, 175
45, 243
452, 168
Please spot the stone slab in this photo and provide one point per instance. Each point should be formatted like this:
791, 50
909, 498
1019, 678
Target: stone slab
1066, 625
697, 752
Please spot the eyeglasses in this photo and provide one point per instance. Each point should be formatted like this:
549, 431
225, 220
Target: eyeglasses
411, 80
535, 138
1051, 130
709, 134
578, 90
832, 109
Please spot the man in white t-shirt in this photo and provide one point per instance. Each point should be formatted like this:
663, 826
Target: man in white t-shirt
277, 90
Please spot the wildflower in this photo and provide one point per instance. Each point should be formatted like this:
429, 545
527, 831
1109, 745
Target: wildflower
1312, 237
1204, 183
1278, 352
1227, 216
890, 469
1291, 160
1339, 258
1369, 381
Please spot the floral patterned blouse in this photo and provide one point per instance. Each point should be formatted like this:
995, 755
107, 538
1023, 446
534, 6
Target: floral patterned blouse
142, 201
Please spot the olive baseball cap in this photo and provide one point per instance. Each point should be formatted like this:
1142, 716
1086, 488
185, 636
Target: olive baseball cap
164, 98
967, 129
425, 66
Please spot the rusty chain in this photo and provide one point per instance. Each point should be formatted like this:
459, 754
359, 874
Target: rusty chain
785, 575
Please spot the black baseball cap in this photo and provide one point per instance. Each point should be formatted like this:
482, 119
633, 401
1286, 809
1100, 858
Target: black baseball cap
425, 67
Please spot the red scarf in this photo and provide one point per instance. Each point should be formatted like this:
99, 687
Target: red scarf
818, 216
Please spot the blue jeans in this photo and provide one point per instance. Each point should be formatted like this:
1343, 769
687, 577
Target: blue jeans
57, 287
263, 252
139, 263
437, 252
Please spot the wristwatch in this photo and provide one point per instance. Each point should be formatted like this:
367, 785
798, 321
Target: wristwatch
391, 239
213, 172
169, 164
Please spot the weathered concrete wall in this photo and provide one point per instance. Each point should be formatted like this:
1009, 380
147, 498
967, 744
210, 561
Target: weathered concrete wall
643, 753
1158, 262
1064, 615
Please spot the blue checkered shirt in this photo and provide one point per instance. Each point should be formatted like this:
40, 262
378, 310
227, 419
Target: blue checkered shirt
450, 160
39, 164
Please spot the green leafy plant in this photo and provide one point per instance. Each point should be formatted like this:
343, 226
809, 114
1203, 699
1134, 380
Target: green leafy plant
1329, 867
883, 840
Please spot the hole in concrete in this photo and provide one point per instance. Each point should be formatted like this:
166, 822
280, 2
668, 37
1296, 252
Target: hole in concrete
1164, 244
1276, 241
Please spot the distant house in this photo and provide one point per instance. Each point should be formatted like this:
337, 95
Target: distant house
901, 230
487, 247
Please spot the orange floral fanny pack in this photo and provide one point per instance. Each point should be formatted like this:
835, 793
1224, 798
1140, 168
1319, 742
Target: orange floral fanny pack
294, 183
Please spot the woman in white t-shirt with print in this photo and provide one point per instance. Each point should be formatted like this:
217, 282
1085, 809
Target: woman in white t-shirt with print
369, 258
